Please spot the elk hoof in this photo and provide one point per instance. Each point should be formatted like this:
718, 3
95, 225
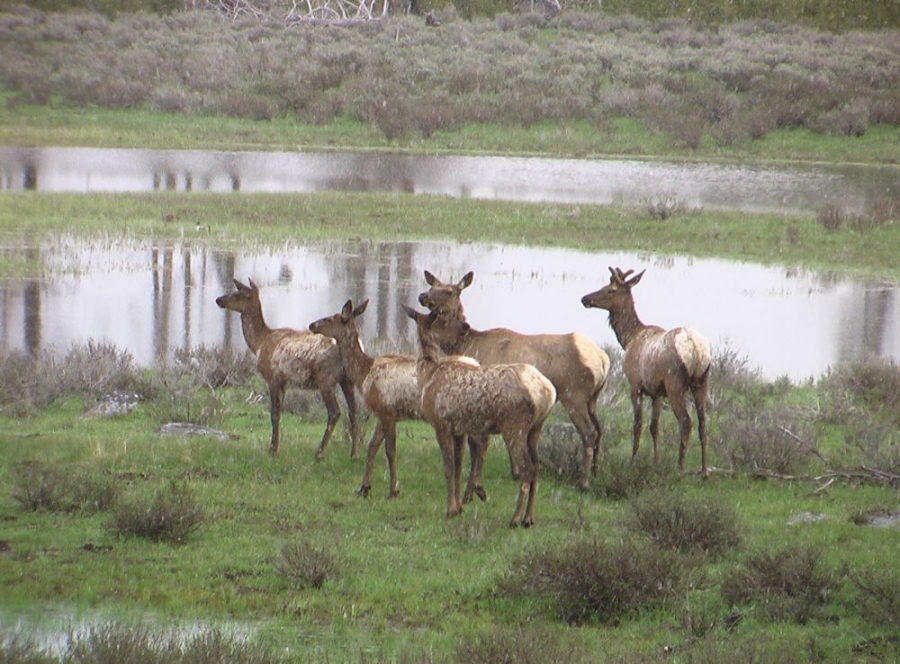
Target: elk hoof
481, 493
320, 454
363, 491
394, 492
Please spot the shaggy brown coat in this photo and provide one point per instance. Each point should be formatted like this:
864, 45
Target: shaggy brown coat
293, 358
389, 387
576, 366
461, 398
658, 363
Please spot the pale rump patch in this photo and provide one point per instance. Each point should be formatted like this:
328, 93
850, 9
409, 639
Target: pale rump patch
693, 349
592, 356
392, 380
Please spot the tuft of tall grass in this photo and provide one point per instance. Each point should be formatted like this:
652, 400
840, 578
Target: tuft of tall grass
305, 564
38, 485
676, 522
792, 584
171, 516
591, 580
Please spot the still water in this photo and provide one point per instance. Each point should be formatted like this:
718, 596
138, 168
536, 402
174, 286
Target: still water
151, 299
785, 189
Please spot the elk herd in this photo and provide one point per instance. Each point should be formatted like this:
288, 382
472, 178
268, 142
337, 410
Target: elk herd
469, 384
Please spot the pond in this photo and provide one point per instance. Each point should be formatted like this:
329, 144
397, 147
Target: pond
786, 189
151, 299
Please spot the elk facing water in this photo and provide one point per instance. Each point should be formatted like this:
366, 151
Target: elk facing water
658, 363
293, 358
575, 365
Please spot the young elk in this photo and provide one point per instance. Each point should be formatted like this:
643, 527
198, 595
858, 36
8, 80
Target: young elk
390, 390
658, 363
575, 365
293, 358
463, 398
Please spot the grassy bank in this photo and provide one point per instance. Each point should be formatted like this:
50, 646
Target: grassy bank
229, 221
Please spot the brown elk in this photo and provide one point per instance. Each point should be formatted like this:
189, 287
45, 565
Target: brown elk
390, 389
293, 358
462, 398
575, 365
658, 363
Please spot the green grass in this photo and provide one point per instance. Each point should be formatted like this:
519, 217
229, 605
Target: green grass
61, 126
408, 582
225, 220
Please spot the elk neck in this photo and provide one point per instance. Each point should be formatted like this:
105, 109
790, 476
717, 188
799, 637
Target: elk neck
624, 321
356, 360
254, 328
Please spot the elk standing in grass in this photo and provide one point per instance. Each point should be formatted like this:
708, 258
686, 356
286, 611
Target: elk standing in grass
293, 358
658, 363
575, 365
389, 388
462, 398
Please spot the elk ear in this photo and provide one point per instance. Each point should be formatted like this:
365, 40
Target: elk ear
239, 285
430, 279
412, 313
635, 279
347, 310
466, 281
429, 320
360, 309
253, 285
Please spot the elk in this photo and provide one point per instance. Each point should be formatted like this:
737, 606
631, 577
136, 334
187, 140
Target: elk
576, 366
658, 363
461, 398
390, 390
293, 358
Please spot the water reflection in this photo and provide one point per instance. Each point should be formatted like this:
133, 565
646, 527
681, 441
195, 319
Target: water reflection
154, 298
788, 189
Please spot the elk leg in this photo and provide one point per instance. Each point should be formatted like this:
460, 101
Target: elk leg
679, 406
459, 443
535, 473
654, 426
276, 398
445, 442
374, 446
700, 403
598, 435
352, 415
334, 413
475, 485
390, 449
521, 502
638, 406
590, 439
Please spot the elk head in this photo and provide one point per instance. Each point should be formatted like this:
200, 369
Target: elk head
444, 298
335, 325
245, 298
616, 293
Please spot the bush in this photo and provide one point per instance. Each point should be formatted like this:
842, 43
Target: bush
675, 522
172, 516
591, 580
777, 439
305, 565
619, 477
869, 385
788, 585
37, 485
878, 596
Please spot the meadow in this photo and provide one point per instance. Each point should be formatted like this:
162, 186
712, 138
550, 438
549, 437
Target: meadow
119, 543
